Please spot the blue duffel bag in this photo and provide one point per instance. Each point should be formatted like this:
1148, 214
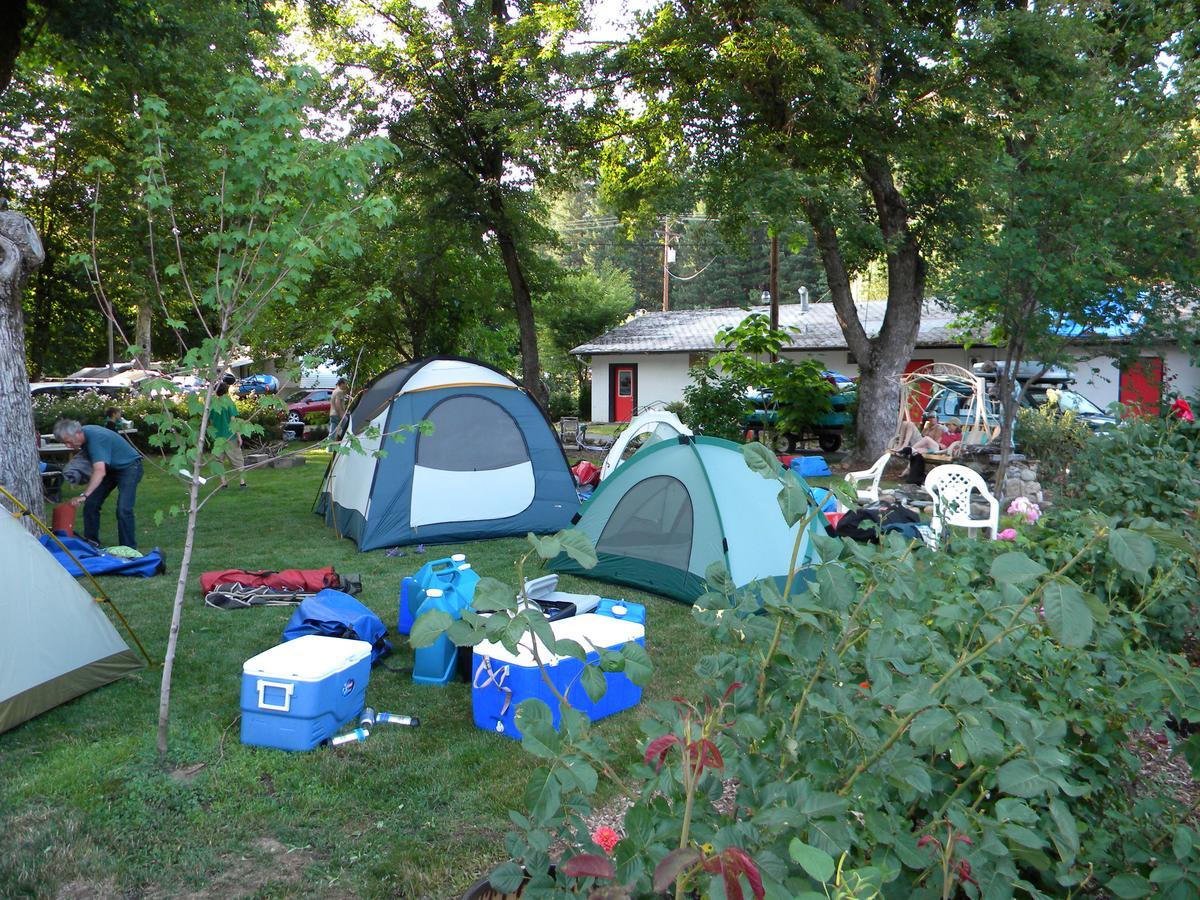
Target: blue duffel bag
334, 614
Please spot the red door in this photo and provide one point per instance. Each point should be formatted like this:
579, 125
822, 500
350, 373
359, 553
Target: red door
622, 388
919, 397
1141, 386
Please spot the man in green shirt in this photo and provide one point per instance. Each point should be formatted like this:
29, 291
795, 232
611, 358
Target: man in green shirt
220, 426
115, 464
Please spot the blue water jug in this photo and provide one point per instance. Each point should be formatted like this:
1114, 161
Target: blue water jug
622, 609
436, 663
436, 573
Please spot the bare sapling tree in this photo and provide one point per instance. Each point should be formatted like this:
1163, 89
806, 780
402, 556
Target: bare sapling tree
283, 199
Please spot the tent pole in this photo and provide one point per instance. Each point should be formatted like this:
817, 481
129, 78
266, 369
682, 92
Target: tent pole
25, 511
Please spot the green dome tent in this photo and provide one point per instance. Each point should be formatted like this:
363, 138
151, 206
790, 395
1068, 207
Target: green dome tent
678, 506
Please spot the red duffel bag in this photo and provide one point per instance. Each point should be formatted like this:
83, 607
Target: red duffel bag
295, 580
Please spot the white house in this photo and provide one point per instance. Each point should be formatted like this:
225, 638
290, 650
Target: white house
645, 361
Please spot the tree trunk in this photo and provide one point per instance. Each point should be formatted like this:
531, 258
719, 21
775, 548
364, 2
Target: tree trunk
20, 253
185, 563
531, 366
142, 335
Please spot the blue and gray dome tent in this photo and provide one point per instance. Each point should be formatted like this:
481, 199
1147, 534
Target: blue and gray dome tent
665, 515
490, 467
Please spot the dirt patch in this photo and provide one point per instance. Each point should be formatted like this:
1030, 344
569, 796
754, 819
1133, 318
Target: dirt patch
267, 863
88, 890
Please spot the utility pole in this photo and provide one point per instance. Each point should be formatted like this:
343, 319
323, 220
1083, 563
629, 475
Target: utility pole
773, 287
666, 263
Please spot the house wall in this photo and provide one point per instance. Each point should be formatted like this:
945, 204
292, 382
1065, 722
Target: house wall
1099, 377
663, 376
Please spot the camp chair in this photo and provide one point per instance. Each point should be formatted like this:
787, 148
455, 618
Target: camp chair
568, 431
951, 488
874, 475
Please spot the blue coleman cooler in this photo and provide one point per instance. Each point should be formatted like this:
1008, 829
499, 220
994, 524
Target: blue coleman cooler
503, 679
438, 573
297, 695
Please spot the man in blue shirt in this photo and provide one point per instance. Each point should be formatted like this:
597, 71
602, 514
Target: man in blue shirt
115, 464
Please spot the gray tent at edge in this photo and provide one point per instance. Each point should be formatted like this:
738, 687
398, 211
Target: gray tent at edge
57, 643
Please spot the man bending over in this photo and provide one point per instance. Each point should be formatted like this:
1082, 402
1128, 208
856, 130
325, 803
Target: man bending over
115, 464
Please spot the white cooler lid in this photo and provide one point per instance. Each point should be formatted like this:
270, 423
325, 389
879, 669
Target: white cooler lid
312, 657
589, 630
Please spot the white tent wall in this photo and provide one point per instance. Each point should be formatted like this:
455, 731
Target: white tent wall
57, 643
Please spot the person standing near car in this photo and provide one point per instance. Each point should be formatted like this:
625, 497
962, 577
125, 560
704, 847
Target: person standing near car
115, 465
337, 405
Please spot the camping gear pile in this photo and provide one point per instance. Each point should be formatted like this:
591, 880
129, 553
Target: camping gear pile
241, 589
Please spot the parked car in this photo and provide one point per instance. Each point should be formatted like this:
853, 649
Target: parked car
258, 384
956, 401
302, 404
828, 429
46, 389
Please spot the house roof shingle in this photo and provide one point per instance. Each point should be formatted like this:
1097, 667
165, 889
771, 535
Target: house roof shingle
695, 330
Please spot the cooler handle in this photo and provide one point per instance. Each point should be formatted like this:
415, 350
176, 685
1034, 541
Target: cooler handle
285, 686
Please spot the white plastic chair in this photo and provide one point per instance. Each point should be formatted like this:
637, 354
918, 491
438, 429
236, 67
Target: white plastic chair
951, 488
874, 475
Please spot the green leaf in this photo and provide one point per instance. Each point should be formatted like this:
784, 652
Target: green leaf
1019, 778
932, 728
983, 743
1016, 568
1065, 823
507, 878
794, 500
817, 863
594, 682
1131, 549
493, 596
637, 663
543, 796
761, 460
1130, 887
429, 627
546, 547
1182, 843
578, 546
1067, 615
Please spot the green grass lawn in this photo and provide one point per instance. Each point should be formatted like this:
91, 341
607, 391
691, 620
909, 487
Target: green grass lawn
88, 809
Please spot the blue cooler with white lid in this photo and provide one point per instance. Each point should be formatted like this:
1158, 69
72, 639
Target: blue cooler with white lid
297, 695
502, 679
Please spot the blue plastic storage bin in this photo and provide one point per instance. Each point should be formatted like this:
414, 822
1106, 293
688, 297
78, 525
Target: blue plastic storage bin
810, 466
623, 610
502, 680
437, 573
297, 695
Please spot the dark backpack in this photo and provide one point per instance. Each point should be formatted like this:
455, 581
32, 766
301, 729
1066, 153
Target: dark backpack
867, 522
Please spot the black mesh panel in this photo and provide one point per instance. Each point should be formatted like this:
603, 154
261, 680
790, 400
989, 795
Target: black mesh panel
471, 434
653, 521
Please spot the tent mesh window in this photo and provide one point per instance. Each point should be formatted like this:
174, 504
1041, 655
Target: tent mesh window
471, 434
653, 521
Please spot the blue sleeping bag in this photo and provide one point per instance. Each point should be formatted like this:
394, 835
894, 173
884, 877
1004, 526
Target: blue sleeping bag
334, 614
97, 562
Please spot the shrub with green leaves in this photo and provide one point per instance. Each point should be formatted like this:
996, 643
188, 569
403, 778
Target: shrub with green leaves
898, 720
1052, 436
715, 404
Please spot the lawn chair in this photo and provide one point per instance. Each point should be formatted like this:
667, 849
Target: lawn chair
568, 431
874, 475
951, 488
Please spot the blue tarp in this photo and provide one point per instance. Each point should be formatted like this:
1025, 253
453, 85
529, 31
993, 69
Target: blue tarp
332, 613
97, 562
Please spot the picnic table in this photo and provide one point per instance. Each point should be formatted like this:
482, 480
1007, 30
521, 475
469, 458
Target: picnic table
51, 447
